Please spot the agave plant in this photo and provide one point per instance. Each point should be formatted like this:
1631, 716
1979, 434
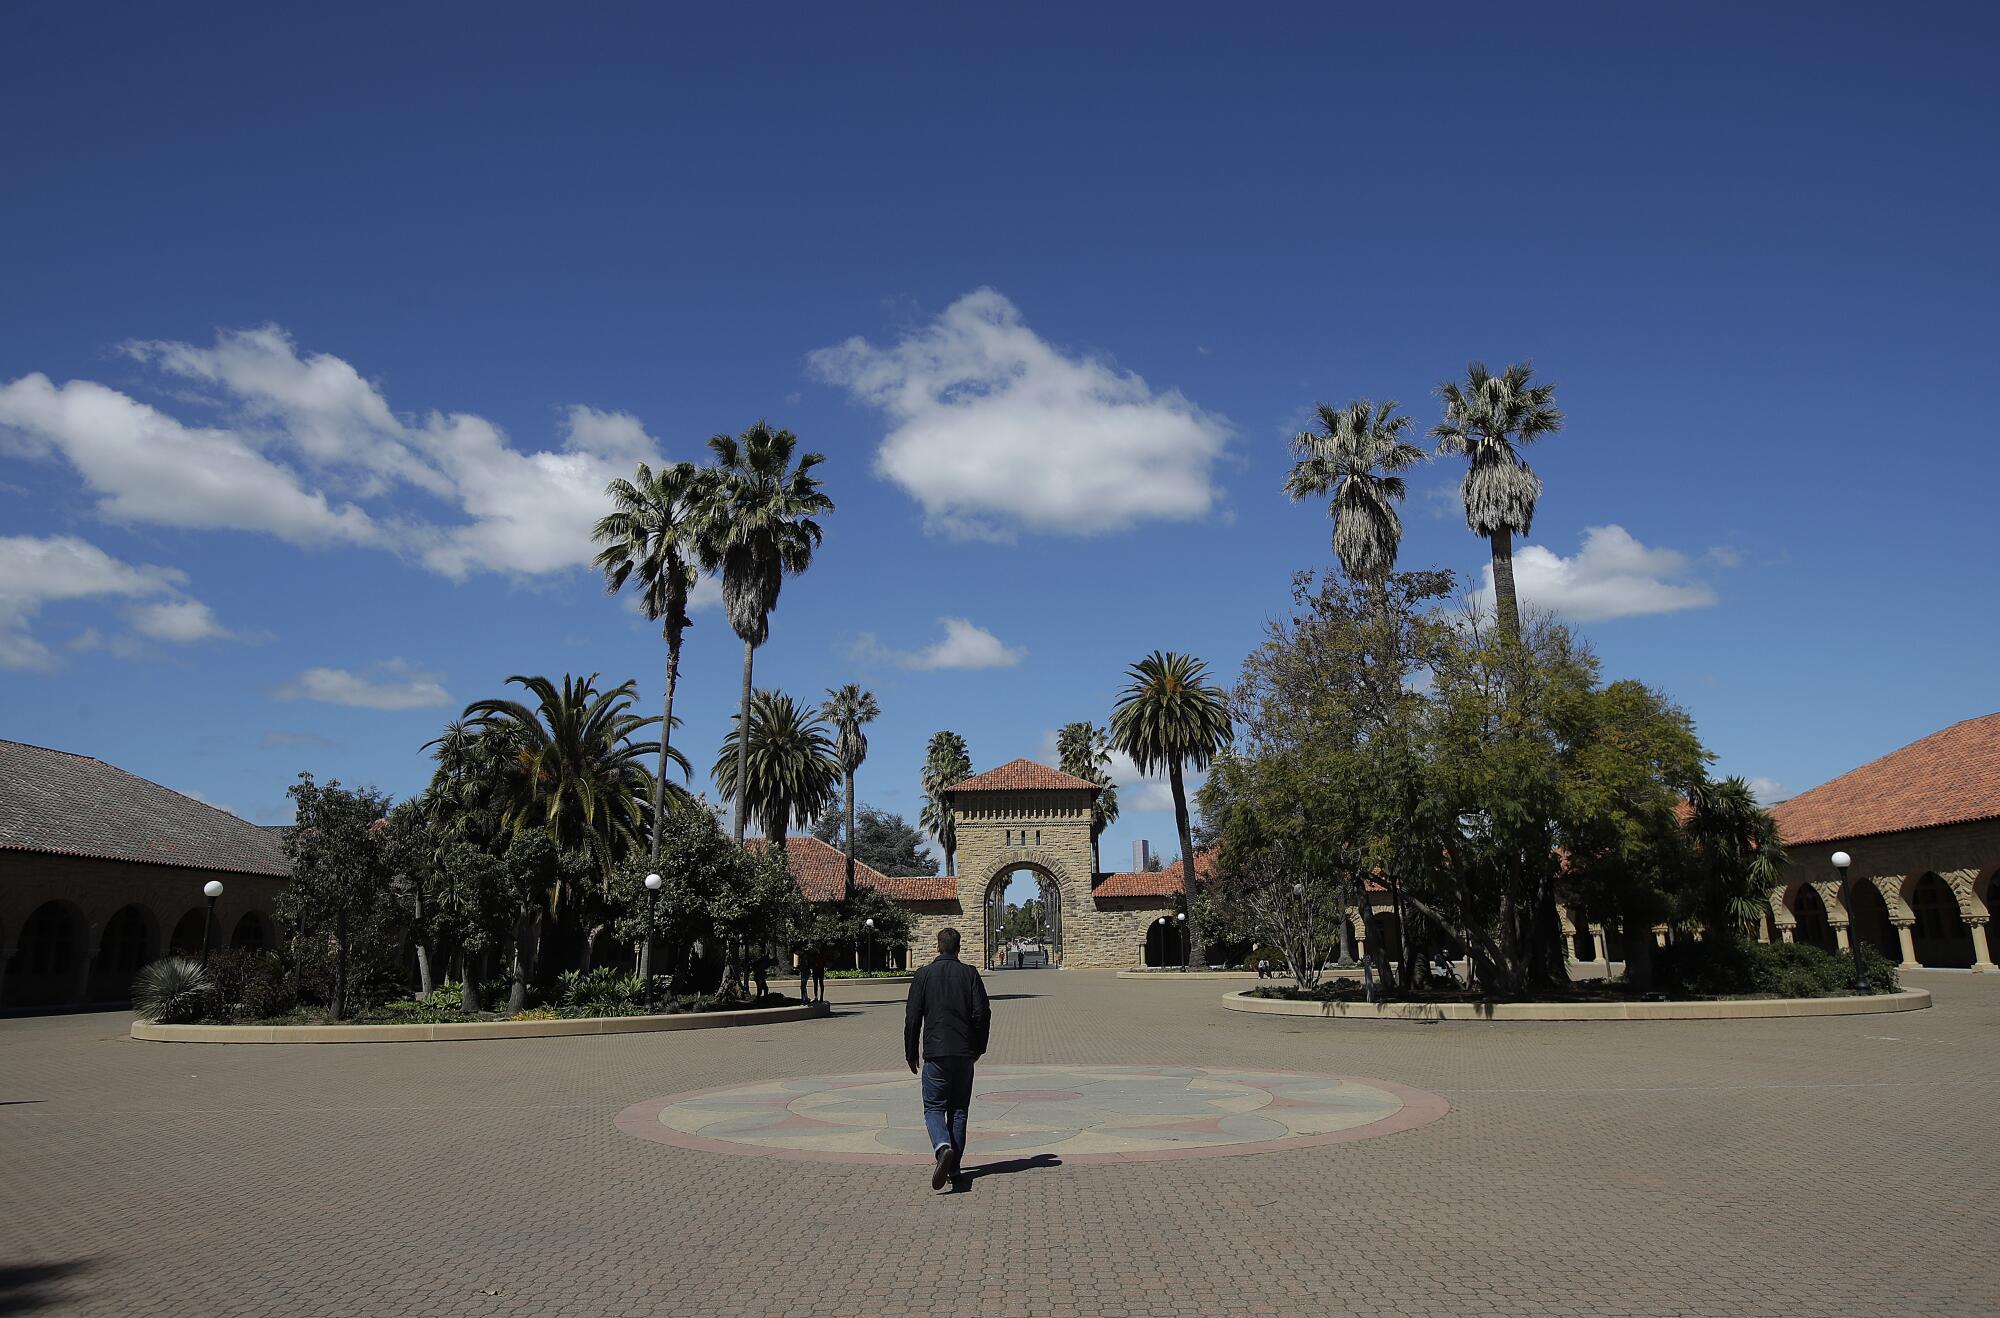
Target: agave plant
175, 990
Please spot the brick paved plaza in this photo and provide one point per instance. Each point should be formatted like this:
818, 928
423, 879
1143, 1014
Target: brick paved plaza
1786, 1167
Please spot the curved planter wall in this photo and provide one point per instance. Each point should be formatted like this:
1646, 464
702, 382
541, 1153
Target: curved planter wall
1733, 1010
694, 1020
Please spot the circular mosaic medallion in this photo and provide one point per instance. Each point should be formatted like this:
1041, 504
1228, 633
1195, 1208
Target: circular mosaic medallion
1077, 1113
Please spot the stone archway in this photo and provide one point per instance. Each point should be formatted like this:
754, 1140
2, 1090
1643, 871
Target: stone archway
1046, 922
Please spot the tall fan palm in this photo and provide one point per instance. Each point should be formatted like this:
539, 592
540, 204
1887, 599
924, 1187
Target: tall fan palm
1083, 750
757, 527
848, 709
1352, 456
788, 765
578, 777
648, 537
1168, 718
946, 761
1485, 419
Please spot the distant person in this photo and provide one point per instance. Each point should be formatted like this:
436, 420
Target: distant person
804, 958
760, 967
819, 973
949, 1011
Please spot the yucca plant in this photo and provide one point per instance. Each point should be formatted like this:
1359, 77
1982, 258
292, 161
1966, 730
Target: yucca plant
176, 990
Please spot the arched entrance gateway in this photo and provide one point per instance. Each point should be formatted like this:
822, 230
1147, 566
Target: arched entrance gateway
1025, 820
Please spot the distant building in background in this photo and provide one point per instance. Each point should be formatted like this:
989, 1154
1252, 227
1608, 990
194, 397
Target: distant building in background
1142, 854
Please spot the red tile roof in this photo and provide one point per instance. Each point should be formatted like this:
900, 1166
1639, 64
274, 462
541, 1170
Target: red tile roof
1164, 882
72, 805
821, 871
1024, 776
1950, 777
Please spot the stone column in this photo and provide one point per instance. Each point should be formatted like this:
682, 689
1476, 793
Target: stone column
1360, 920
1982, 951
79, 993
1786, 932
1910, 961
1600, 946
1839, 933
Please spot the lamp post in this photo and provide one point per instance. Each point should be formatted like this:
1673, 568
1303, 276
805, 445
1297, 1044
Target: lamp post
869, 925
1841, 860
211, 890
653, 882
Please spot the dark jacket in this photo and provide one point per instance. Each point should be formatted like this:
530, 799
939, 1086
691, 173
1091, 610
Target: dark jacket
948, 1007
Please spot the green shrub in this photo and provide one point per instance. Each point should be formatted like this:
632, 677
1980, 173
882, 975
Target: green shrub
252, 984
1783, 970
175, 990
603, 992
410, 1011
537, 1014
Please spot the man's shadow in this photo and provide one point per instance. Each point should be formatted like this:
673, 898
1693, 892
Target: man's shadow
962, 1183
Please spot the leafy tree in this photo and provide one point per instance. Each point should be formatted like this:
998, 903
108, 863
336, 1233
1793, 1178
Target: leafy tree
1083, 750
756, 527
1485, 420
849, 709
946, 762
650, 537
341, 873
1353, 456
883, 842
1169, 718
892, 923
791, 763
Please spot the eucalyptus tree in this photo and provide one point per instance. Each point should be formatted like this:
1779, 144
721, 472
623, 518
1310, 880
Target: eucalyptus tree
1352, 457
946, 761
789, 765
579, 778
1486, 420
756, 527
1170, 718
649, 537
1083, 750
849, 709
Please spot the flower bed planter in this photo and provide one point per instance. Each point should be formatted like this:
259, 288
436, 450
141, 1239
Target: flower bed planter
1722, 1009
450, 1030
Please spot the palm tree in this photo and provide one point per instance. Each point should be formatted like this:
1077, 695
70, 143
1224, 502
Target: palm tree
649, 536
1353, 456
946, 761
848, 708
756, 527
576, 775
1485, 419
1739, 854
1083, 750
1169, 717
790, 770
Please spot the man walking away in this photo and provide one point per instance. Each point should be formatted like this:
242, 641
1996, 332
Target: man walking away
948, 1009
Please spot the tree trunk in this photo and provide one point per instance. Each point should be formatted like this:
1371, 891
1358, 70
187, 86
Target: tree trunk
524, 930
666, 732
1506, 607
468, 984
743, 745
423, 971
1187, 861
847, 889
340, 966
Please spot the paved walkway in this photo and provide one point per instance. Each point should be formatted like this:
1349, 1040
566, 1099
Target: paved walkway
1839, 1166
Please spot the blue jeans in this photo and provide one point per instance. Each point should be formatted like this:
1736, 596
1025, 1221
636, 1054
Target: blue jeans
947, 1096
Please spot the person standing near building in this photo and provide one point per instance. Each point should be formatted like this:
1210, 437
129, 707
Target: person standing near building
949, 1014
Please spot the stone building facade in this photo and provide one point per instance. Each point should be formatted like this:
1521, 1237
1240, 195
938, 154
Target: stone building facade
102, 871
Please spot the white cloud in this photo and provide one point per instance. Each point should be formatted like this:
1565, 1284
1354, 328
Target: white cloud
1768, 791
965, 646
180, 621
34, 572
1611, 576
995, 429
1138, 793
307, 441
391, 685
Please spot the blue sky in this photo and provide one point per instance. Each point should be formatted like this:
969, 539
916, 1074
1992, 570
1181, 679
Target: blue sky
321, 327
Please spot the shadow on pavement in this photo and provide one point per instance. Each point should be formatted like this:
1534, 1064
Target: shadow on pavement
21, 1285
1007, 1167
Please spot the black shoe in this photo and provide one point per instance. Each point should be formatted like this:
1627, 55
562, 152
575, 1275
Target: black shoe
947, 1167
